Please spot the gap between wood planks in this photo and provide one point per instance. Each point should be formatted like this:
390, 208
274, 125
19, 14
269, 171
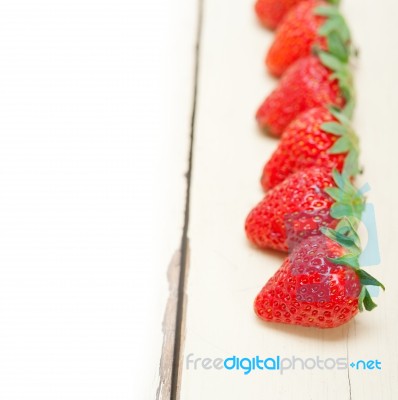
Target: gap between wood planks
174, 320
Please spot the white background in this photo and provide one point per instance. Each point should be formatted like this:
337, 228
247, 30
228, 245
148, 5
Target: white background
95, 101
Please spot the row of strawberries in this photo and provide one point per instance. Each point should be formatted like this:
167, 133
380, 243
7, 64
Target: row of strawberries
311, 208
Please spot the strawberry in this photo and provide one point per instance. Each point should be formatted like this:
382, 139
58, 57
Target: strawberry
318, 137
306, 84
295, 37
319, 285
271, 12
310, 25
314, 190
300, 192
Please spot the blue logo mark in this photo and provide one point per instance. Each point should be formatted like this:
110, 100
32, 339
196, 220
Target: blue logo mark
366, 365
370, 254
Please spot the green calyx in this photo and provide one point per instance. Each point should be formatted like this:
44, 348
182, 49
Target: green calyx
336, 32
348, 141
348, 208
346, 236
338, 37
349, 201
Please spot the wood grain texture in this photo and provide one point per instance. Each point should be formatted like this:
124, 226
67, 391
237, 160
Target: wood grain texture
226, 272
176, 104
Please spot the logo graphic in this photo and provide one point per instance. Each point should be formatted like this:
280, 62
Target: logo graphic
247, 365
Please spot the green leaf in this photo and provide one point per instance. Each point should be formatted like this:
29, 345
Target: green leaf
343, 240
346, 228
351, 163
326, 11
343, 225
368, 302
340, 210
343, 182
339, 179
350, 105
335, 22
331, 24
336, 194
337, 46
368, 280
335, 128
336, 58
346, 91
339, 115
331, 61
361, 298
349, 259
345, 81
365, 300
341, 146
344, 30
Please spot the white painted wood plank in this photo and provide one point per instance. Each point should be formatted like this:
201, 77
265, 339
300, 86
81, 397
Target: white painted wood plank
95, 108
376, 33
225, 271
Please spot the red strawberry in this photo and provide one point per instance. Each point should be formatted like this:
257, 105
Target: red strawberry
306, 84
302, 199
318, 137
296, 36
310, 26
271, 12
311, 290
300, 192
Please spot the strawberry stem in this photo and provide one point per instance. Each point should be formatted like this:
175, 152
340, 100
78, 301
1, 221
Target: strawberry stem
347, 143
347, 237
349, 201
339, 50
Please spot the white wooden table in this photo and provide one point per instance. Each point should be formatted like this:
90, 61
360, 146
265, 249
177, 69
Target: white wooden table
225, 272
